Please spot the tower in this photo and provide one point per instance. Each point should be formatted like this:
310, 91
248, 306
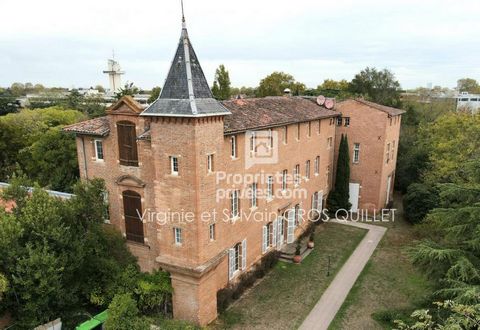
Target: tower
114, 75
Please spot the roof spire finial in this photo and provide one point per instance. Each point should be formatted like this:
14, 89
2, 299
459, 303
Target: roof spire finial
183, 16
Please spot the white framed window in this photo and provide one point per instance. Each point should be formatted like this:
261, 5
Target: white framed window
347, 122
296, 174
177, 235
356, 153
285, 134
211, 232
270, 138
174, 165
210, 163
237, 258
317, 165
270, 187
98, 150
233, 145
387, 156
235, 203
339, 121
315, 201
253, 192
269, 235
253, 142
307, 169
330, 142
393, 149
284, 180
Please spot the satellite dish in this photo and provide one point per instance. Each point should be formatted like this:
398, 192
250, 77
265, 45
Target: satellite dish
329, 103
321, 100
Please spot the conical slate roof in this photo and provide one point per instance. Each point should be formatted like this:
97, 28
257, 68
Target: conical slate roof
186, 92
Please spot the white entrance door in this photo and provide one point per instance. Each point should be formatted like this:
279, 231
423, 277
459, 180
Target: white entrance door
354, 191
389, 186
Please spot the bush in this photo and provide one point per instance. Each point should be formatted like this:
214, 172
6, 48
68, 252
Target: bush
418, 201
224, 298
154, 292
123, 314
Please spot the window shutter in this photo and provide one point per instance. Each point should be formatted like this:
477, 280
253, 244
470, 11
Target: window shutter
264, 241
300, 214
291, 226
244, 254
279, 232
274, 238
231, 263
320, 201
132, 207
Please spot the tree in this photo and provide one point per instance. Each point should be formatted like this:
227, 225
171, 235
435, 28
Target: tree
57, 256
124, 315
243, 91
221, 85
338, 199
377, 86
276, 83
17, 89
128, 89
7, 105
74, 99
100, 88
154, 94
468, 85
460, 316
418, 201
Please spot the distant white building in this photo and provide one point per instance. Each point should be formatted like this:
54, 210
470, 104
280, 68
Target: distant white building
468, 102
114, 76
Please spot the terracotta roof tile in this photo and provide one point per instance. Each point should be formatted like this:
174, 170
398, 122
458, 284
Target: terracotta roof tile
266, 112
389, 110
97, 126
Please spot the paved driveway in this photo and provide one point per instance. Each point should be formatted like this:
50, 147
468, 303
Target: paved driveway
332, 299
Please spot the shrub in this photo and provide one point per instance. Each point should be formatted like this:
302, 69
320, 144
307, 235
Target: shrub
123, 314
154, 292
224, 298
418, 201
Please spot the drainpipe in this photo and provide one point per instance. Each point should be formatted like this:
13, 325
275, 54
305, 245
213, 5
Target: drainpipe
84, 158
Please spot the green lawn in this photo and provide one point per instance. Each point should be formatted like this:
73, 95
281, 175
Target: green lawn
388, 287
286, 295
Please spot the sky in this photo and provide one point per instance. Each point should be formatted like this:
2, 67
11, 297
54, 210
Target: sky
66, 43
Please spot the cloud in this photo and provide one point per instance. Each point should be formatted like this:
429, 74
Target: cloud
55, 43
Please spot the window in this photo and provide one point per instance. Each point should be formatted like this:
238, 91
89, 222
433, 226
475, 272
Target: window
285, 134
331, 121
296, 174
254, 195
317, 165
388, 153
298, 131
297, 214
98, 149
253, 142
174, 165
347, 121
339, 121
235, 203
127, 143
238, 256
177, 235
209, 163
270, 138
132, 209
284, 180
356, 152
270, 187
309, 129
233, 142
211, 232
269, 235
315, 201
307, 169
329, 142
